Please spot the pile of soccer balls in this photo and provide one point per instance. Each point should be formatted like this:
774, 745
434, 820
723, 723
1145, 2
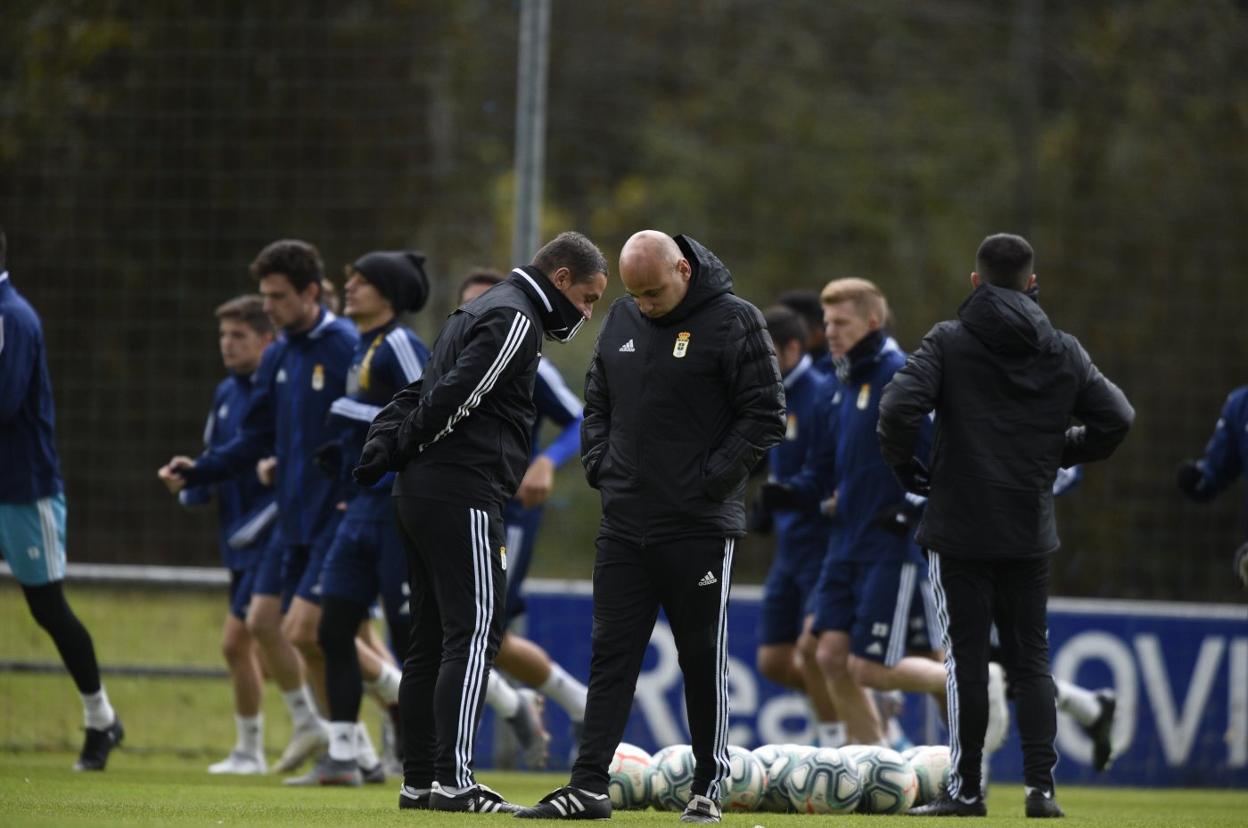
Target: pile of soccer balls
786, 779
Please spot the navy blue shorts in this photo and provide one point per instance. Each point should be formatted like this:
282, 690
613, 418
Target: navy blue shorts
241, 585
266, 577
301, 565
788, 594
886, 608
520, 527
367, 559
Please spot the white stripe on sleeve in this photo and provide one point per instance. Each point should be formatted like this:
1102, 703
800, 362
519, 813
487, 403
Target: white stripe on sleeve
406, 355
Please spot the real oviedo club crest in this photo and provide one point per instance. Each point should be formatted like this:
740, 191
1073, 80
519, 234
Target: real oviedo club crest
682, 344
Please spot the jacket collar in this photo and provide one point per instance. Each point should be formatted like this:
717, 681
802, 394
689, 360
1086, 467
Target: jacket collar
4, 276
560, 318
799, 370
862, 358
323, 321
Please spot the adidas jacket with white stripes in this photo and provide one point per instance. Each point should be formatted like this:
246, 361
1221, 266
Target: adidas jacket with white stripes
463, 432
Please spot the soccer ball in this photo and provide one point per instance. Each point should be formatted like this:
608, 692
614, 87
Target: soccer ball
670, 777
931, 767
779, 760
823, 783
744, 788
629, 783
889, 785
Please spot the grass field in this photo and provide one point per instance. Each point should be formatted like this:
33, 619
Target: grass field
39, 789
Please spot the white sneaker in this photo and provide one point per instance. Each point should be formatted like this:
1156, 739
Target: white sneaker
998, 710
307, 741
240, 763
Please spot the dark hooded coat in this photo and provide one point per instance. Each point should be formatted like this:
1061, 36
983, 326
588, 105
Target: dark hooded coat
679, 409
1005, 386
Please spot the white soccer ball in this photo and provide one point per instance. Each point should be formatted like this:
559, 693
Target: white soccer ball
823, 783
889, 785
629, 782
670, 777
743, 789
931, 767
779, 760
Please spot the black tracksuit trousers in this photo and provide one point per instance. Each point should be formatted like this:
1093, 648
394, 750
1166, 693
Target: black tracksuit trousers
458, 586
690, 579
972, 594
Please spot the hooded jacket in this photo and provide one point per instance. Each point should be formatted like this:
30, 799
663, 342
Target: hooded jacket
463, 432
679, 409
1005, 385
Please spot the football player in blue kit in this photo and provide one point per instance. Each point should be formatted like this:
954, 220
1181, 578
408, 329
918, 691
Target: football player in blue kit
1225, 460
366, 557
786, 651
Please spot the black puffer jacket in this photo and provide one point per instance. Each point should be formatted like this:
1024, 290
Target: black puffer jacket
1004, 384
679, 409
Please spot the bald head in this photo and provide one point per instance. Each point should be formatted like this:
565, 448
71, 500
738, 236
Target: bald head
654, 271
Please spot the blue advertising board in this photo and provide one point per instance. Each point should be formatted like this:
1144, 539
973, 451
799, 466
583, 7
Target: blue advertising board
1180, 672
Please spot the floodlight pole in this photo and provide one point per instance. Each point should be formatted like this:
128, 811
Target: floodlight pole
530, 126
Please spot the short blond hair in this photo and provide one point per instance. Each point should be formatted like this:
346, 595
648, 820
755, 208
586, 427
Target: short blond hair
867, 298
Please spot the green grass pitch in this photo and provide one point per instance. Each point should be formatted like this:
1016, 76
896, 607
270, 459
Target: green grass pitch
39, 789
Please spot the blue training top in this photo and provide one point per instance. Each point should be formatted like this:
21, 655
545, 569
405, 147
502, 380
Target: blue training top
299, 377
387, 359
246, 508
29, 468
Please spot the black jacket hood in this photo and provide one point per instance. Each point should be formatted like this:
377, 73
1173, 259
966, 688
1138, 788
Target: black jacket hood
710, 278
1006, 321
560, 318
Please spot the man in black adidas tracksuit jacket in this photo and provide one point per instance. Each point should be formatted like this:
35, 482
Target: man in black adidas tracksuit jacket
459, 438
1005, 385
682, 399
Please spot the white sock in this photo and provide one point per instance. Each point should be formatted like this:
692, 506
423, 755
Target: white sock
299, 703
250, 733
386, 686
831, 734
342, 741
1082, 704
566, 692
501, 696
96, 711
365, 753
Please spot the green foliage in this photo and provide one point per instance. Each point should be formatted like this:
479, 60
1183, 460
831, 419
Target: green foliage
147, 152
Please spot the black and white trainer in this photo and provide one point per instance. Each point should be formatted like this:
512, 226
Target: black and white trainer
98, 744
701, 809
1101, 730
569, 803
1041, 805
478, 799
947, 806
416, 799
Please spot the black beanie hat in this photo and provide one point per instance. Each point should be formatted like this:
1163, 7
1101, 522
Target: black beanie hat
398, 275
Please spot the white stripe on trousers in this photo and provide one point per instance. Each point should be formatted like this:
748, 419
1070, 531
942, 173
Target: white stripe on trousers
723, 767
951, 681
475, 669
901, 615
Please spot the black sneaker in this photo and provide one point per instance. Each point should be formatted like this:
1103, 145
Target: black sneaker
97, 746
1042, 805
1101, 730
569, 803
701, 809
946, 806
413, 798
477, 800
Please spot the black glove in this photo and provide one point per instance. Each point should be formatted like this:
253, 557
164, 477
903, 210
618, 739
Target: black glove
374, 463
760, 520
898, 518
1241, 564
1191, 481
775, 496
913, 477
329, 457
